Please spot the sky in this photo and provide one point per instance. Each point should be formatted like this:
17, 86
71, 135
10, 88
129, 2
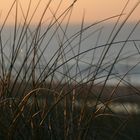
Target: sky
94, 10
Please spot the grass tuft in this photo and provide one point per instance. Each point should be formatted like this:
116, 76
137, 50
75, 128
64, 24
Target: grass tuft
55, 83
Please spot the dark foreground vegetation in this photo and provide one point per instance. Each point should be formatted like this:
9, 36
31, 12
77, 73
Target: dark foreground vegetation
46, 93
68, 112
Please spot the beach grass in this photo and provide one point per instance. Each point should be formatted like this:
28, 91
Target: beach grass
43, 93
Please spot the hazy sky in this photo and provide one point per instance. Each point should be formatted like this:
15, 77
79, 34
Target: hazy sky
94, 9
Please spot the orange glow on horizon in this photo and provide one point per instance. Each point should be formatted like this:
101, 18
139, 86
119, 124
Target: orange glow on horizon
94, 9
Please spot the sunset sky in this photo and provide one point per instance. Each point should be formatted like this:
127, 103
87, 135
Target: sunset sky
94, 9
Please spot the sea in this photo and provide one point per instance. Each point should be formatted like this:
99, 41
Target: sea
103, 52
